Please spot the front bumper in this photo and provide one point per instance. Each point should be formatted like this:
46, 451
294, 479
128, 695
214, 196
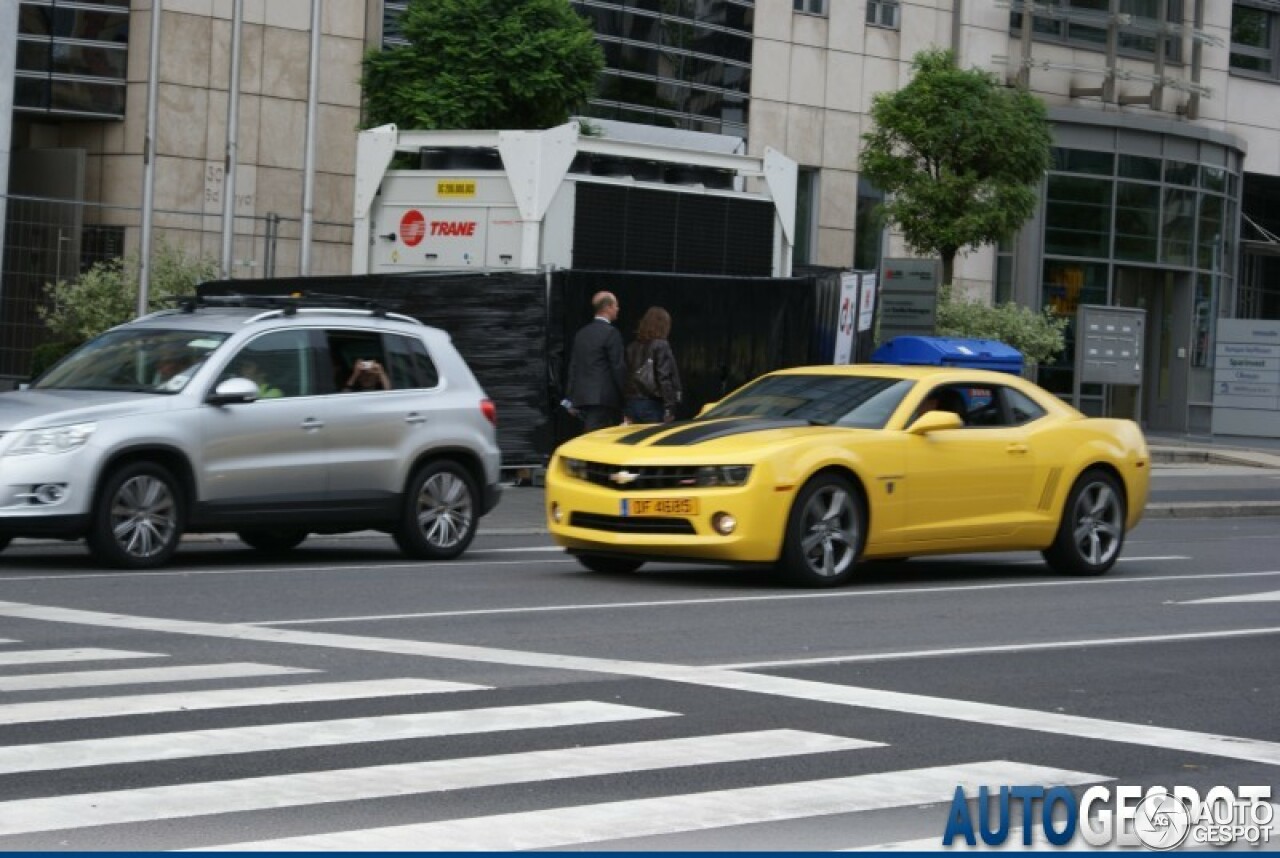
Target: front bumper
593, 519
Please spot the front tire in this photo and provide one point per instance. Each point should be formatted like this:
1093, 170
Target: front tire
606, 565
272, 541
138, 519
824, 533
439, 519
1091, 533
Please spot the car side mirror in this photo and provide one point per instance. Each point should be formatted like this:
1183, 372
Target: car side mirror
935, 421
234, 390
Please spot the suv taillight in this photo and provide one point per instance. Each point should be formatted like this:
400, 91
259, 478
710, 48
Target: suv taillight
489, 410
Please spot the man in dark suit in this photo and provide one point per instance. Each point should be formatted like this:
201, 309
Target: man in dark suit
597, 369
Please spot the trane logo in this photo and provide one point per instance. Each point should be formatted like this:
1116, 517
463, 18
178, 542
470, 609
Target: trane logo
453, 227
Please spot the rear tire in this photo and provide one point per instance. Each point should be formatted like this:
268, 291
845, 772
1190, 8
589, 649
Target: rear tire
606, 565
825, 532
1091, 532
272, 541
439, 519
138, 518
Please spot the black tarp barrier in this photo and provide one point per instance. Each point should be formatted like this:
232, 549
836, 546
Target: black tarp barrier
515, 331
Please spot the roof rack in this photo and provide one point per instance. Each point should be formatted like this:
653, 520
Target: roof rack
293, 303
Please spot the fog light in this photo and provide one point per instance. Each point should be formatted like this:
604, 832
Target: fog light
50, 493
557, 514
724, 523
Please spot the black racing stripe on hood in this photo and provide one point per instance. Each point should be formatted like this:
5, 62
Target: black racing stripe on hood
648, 432
700, 432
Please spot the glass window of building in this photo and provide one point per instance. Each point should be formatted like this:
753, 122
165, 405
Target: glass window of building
883, 13
1255, 38
813, 7
1084, 23
72, 58
806, 246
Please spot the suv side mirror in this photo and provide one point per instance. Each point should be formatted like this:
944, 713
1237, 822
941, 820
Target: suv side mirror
234, 390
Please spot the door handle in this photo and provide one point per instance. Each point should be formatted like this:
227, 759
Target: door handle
415, 417
312, 423
1017, 449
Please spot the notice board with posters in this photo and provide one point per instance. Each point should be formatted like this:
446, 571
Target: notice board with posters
1246, 378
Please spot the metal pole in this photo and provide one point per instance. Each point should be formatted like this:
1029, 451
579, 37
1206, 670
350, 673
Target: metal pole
149, 162
8, 60
309, 150
233, 135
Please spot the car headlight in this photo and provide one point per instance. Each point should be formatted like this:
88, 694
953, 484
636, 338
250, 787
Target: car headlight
55, 439
723, 475
575, 468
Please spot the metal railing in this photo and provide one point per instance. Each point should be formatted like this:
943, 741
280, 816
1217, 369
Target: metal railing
46, 240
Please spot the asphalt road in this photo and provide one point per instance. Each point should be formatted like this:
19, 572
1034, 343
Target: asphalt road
345, 698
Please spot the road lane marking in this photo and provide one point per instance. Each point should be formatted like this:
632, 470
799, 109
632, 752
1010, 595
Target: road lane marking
673, 814
278, 570
312, 734
1273, 596
1076, 726
143, 675
999, 648
60, 656
400, 779
225, 698
772, 597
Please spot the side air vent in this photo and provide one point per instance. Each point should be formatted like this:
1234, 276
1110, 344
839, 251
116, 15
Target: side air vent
1050, 488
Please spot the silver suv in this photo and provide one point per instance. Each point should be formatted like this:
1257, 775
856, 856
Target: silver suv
263, 416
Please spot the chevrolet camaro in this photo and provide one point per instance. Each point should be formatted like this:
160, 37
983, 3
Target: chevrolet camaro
812, 470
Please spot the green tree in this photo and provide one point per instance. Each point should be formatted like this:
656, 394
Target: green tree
479, 64
1039, 336
959, 156
107, 294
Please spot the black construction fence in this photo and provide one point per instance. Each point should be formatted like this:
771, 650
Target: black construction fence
515, 330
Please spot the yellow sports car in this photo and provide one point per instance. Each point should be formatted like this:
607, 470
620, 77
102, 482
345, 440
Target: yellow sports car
813, 469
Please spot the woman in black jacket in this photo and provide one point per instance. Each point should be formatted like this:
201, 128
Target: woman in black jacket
653, 381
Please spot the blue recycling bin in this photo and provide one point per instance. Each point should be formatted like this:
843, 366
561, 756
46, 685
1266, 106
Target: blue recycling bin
951, 352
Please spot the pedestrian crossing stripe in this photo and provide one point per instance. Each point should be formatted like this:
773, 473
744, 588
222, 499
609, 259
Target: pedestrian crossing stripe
311, 734
181, 801
57, 656
143, 675
674, 814
226, 698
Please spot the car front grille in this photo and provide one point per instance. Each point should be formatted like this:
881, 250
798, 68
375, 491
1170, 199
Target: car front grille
622, 478
628, 524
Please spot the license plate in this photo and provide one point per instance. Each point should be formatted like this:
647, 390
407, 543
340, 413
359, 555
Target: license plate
659, 506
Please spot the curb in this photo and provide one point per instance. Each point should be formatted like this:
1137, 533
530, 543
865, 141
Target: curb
1162, 455
1230, 509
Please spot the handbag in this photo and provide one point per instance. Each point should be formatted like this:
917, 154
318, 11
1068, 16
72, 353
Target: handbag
645, 378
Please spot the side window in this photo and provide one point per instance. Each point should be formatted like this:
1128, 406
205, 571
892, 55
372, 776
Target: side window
401, 363
358, 360
1021, 407
424, 367
280, 362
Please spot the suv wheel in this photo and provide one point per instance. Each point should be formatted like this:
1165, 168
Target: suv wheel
439, 517
138, 520
272, 541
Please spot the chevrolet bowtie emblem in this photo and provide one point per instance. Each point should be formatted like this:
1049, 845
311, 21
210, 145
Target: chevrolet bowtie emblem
623, 478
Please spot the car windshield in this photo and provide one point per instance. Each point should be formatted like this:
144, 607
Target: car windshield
842, 400
131, 359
